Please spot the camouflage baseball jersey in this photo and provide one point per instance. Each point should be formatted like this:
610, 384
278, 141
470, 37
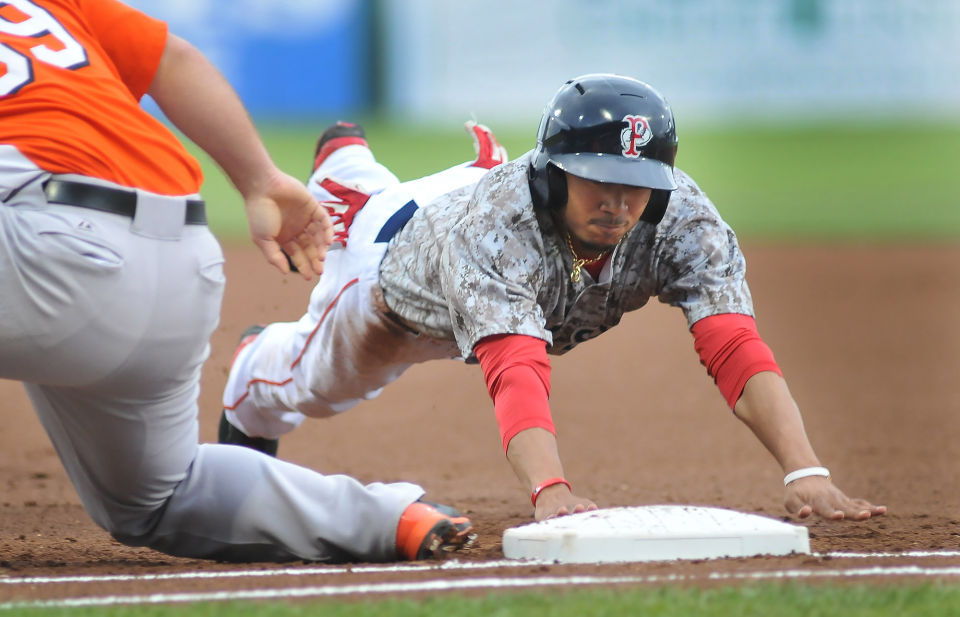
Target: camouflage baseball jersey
481, 261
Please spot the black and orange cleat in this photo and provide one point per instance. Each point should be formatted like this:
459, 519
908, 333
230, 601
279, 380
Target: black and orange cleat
428, 531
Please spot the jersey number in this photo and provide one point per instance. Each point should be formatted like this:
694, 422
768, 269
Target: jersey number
19, 67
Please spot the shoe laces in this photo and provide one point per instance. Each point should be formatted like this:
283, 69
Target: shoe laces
351, 199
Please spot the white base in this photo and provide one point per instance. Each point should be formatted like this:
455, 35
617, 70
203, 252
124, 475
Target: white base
653, 533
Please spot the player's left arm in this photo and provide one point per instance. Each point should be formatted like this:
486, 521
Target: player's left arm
703, 271
767, 407
280, 210
751, 382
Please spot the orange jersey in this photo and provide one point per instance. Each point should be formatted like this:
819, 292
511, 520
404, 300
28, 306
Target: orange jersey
72, 73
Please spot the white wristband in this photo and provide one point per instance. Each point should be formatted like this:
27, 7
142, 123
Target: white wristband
805, 473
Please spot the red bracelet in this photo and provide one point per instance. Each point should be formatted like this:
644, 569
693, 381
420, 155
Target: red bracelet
546, 484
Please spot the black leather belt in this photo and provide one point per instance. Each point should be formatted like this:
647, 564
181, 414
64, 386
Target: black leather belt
107, 199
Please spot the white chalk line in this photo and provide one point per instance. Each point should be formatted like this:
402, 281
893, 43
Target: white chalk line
475, 583
845, 555
452, 564
306, 571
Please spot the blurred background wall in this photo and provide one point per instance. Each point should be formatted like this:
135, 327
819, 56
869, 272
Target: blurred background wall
716, 60
816, 119
285, 58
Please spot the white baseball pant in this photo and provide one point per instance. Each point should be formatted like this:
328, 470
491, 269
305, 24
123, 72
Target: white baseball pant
346, 348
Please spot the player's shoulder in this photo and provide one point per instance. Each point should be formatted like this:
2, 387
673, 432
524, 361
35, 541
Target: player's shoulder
506, 188
686, 185
688, 201
691, 222
511, 173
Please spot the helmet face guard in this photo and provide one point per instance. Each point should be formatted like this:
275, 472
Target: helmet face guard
606, 128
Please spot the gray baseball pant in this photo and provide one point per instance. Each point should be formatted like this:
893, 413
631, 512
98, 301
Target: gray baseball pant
106, 320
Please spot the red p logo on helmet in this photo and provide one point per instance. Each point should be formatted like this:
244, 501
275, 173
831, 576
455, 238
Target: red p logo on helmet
636, 135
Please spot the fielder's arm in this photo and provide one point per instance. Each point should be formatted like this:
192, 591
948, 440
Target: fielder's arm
280, 211
767, 407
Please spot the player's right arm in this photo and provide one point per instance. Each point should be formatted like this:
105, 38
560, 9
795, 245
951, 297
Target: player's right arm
535, 459
280, 210
517, 373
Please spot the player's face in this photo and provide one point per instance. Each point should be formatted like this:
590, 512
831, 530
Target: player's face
598, 214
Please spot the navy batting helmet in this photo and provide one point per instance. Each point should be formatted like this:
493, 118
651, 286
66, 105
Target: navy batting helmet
606, 128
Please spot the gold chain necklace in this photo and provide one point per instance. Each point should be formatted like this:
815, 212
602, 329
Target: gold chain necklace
579, 262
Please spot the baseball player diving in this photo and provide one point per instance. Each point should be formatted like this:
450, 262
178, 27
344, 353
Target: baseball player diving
506, 266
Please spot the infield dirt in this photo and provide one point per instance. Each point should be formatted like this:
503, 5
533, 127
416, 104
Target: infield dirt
867, 338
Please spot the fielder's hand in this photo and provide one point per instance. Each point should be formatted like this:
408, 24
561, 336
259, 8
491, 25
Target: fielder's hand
285, 218
818, 495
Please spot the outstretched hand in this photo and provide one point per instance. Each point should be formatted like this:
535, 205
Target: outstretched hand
559, 501
285, 218
818, 495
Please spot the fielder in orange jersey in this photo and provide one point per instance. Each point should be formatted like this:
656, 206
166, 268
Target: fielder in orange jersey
111, 284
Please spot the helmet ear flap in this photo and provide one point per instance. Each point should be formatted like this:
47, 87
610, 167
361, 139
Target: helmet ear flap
556, 187
656, 207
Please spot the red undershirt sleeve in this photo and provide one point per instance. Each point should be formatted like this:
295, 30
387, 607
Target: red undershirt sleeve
732, 351
517, 373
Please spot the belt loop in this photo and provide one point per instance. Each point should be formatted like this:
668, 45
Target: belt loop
159, 216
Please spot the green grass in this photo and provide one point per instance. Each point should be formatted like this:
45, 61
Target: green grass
847, 183
835, 182
761, 600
